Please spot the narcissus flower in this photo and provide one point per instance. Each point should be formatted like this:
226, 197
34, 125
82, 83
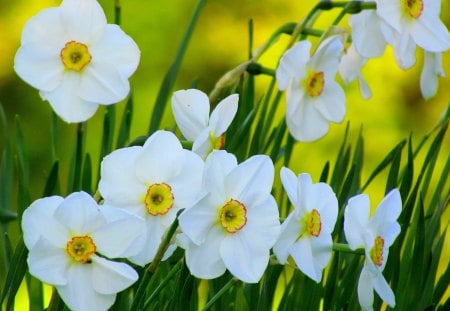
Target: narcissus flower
350, 69
191, 111
234, 226
415, 22
154, 182
306, 232
376, 235
68, 242
76, 59
314, 98
432, 69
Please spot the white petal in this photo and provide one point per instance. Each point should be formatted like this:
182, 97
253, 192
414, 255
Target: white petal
430, 33
66, 102
223, 114
79, 293
161, 158
356, 218
328, 55
391, 12
432, 68
244, 257
365, 289
321, 247
331, 103
382, 288
48, 262
84, 21
196, 221
364, 88
293, 64
305, 194
191, 111
387, 212
251, 181
303, 120
80, 213
290, 230
367, 36
404, 49
204, 261
39, 65
109, 277
102, 83
117, 49
112, 240
218, 165
153, 236
289, 181
327, 205
202, 144
38, 220
301, 251
118, 183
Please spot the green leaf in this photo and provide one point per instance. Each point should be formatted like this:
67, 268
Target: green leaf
408, 174
125, 124
170, 77
52, 184
86, 184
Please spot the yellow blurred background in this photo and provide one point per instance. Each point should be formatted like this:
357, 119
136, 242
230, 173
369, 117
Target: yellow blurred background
219, 43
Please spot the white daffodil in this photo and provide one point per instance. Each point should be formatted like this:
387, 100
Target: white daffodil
376, 235
416, 22
76, 59
234, 226
306, 232
350, 69
154, 182
191, 111
68, 242
432, 69
313, 97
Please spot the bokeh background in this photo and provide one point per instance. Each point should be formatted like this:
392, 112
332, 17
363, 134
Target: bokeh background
219, 43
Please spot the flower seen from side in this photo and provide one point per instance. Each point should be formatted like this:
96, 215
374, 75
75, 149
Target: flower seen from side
154, 182
191, 111
376, 235
70, 240
75, 59
306, 232
350, 69
313, 97
432, 69
234, 226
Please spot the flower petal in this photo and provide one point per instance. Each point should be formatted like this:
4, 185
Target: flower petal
202, 144
38, 221
301, 251
80, 213
289, 181
432, 68
430, 33
365, 289
66, 102
79, 293
102, 83
290, 230
367, 36
118, 183
84, 21
251, 181
328, 56
386, 214
218, 165
305, 194
153, 236
404, 50
204, 261
161, 159
116, 49
293, 64
191, 111
382, 288
109, 277
327, 205
331, 103
48, 263
356, 218
223, 114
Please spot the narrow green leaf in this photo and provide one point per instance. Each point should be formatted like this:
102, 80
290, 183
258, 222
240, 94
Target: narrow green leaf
52, 184
125, 124
170, 77
22, 153
325, 172
408, 174
442, 285
74, 182
86, 184
35, 293
392, 179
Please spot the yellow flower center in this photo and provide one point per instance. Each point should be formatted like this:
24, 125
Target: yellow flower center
312, 224
216, 142
314, 83
233, 216
159, 199
81, 248
75, 56
413, 8
376, 253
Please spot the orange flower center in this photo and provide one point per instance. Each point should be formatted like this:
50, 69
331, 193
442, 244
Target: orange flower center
75, 56
376, 253
81, 248
233, 216
413, 8
314, 83
158, 199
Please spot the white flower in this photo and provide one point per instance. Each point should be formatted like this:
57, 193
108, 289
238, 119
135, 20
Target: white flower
432, 69
314, 98
416, 22
376, 235
191, 111
154, 182
234, 226
65, 238
76, 59
306, 232
350, 69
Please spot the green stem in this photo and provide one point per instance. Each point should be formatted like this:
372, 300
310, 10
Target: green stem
55, 301
344, 248
117, 11
220, 293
